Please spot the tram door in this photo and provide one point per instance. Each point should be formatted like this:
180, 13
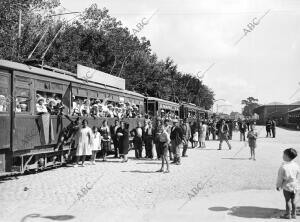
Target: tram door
152, 108
5, 120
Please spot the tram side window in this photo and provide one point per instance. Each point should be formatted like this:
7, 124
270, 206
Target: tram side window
22, 100
81, 106
49, 102
4, 99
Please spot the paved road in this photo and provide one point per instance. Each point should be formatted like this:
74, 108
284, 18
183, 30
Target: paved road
230, 188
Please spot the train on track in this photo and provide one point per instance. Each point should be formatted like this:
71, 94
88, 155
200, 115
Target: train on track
26, 144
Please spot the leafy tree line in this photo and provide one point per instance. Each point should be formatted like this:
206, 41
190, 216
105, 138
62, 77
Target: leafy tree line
97, 40
250, 104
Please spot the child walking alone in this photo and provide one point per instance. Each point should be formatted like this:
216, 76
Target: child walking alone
288, 181
252, 136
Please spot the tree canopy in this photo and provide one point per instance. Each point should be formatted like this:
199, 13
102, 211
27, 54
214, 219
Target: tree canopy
98, 40
250, 104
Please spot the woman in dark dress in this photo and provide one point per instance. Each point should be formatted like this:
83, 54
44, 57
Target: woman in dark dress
105, 133
123, 133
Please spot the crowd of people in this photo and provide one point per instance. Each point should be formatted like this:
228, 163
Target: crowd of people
166, 137
169, 137
98, 108
88, 107
271, 128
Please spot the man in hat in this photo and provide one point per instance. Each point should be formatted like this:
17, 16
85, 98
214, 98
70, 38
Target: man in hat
176, 140
115, 138
148, 138
186, 130
40, 106
268, 127
138, 140
110, 110
242, 129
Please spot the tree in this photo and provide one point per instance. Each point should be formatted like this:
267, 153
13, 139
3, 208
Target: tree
13, 46
97, 40
250, 104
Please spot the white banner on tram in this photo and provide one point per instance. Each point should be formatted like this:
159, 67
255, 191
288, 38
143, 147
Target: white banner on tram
94, 75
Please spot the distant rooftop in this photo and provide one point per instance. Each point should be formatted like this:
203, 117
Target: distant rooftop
275, 103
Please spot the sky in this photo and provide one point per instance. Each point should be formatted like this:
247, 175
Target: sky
259, 60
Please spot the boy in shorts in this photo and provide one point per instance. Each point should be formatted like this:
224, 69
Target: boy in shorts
288, 176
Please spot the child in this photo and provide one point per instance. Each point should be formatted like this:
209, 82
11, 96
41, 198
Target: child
288, 176
95, 143
164, 140
252, 136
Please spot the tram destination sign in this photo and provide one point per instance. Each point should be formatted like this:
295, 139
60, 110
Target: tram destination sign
92, 75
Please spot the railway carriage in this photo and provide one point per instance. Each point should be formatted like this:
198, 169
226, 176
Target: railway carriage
27, 144
191, 112
28, 140
161, 108
294, 118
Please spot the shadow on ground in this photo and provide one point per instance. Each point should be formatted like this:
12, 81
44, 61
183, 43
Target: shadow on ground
232, 158
56, 218
138, 171
250, 212
157, 163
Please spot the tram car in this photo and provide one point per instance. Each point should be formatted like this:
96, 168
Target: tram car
28, 139
160, 108
192, 112
294, 118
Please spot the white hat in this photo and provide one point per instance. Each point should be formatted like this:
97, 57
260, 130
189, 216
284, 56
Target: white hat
40, 98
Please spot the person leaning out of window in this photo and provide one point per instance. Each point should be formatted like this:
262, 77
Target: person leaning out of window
40, 106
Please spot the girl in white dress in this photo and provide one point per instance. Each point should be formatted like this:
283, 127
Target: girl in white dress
95, 144
203, 134
83, 142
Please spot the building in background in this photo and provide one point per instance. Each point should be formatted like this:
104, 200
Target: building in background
294, 118
278, 111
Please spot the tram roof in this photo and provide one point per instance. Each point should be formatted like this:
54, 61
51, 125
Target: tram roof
62, 74
294, 110
162, 100
193, 106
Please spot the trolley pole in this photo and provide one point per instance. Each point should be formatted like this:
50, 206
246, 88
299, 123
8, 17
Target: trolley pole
19, 34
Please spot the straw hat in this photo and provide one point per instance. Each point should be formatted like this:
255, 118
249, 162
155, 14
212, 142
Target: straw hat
40, 98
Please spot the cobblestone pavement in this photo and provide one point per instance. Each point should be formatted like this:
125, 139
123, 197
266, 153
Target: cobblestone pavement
133, 191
